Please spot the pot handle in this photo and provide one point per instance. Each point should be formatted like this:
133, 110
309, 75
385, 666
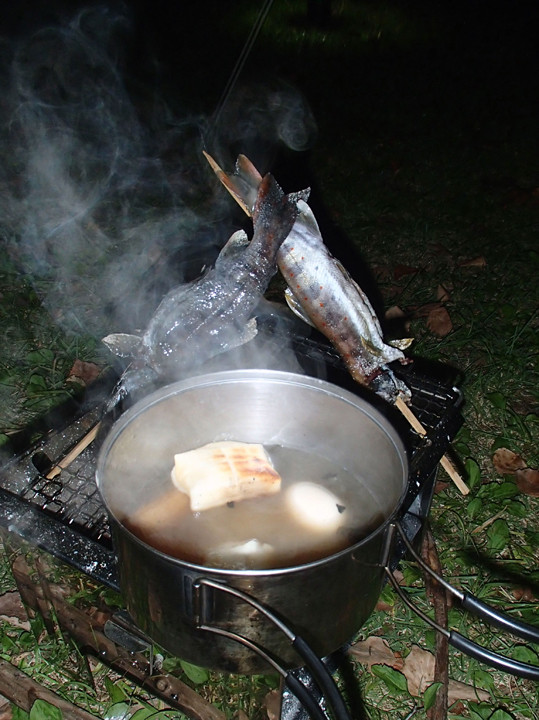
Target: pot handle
481, 610
314, 664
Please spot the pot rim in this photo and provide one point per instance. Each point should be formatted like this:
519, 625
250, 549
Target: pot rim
246, 375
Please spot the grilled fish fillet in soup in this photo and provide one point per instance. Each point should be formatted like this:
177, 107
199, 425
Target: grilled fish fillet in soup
322, 292
198, 320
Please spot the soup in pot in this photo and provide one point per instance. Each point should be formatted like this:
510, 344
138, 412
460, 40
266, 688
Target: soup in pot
318, 509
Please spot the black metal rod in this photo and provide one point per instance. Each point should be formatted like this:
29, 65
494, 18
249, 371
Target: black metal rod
481, 610
314, 664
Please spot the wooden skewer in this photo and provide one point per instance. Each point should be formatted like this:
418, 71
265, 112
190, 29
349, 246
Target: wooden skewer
225, 180
445, 462
74, 452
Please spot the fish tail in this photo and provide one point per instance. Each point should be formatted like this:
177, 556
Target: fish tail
274, 214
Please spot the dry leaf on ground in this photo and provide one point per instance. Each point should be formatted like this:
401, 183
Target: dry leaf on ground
506, 462
394, 313
417, 667
419, 311
272, 704
478, 262
6, 711
419, 671
439, 322
528, 481
402, 270
442, 293
83, 372
12, 609
525, 594
376, 651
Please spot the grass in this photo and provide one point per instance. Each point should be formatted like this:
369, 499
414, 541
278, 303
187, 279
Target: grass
426, 157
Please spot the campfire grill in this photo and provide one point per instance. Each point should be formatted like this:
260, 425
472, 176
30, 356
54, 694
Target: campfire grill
60, 510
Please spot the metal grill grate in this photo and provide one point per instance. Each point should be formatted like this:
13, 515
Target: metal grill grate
60, 509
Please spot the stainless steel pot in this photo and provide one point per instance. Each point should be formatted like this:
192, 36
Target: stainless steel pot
326, 601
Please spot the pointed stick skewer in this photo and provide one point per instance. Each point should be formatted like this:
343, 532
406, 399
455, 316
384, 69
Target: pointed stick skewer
445, 462
75, 451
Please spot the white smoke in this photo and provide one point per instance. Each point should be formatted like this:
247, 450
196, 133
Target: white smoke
98, 190
89, 209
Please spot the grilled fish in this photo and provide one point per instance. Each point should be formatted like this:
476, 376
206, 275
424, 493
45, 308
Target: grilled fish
196, 321
323, 293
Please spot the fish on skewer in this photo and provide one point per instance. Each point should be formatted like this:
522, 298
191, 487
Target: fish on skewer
323, 293
215, 313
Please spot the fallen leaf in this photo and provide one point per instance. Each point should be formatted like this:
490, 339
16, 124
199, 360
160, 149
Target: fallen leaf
442, 293
6, 710
12, 609
528, 481
440, 249
382, 272
439, 322
272, 704
382, 606
419, 671
523, 595
460, 691
83, 372
419, 311
440, 486
402, 270
506, 462
394, 313
417, 667
376, 651
478, 262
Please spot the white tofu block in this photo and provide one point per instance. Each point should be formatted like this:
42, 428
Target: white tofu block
223, 472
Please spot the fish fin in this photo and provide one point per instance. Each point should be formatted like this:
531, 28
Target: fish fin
251, 330
236, 242
307, 216
247, 180
248, 332
390, 387
370, 348
274, 215
123, 344
246, 170
401, 343
302, 195
296, 308
133, 382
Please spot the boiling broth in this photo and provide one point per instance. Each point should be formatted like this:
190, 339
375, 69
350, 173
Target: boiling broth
261, 532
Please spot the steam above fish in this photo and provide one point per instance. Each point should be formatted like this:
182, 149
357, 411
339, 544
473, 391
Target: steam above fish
322, 293
199, 320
